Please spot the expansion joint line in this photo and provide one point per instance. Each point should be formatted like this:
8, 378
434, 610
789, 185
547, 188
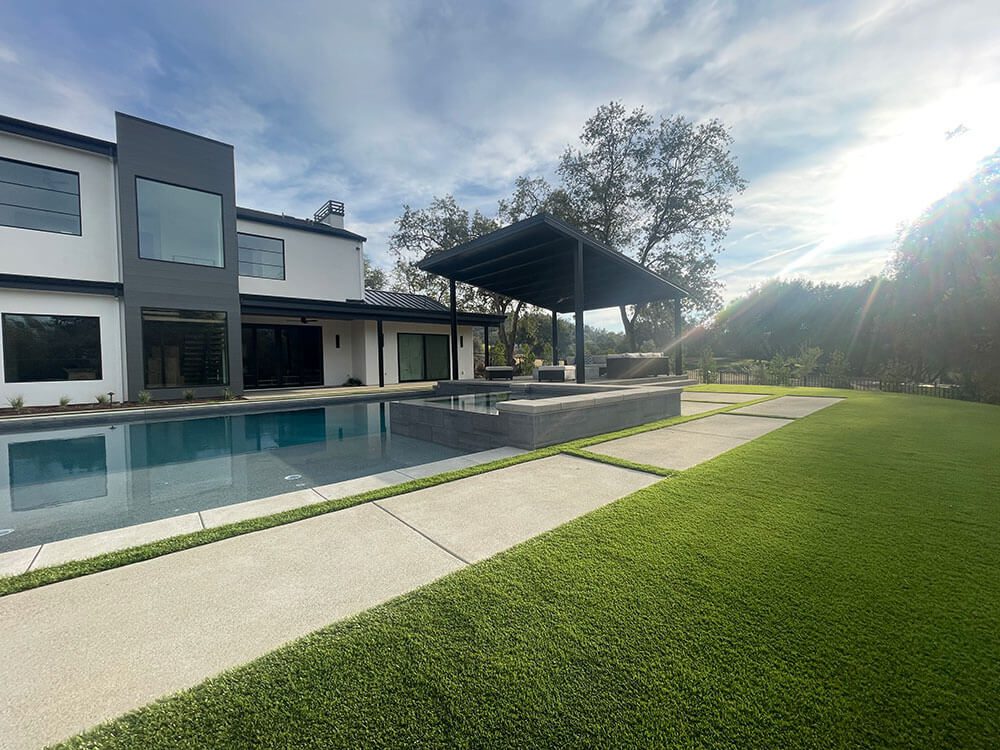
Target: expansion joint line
418, 531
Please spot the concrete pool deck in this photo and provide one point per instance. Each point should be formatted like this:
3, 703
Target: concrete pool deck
89, 649
86, 650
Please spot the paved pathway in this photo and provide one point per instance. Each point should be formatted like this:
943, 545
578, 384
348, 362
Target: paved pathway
83, 651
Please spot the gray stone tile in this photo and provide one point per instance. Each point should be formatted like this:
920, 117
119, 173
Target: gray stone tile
89, 545
436, 467
727, 425
87, 650
265, 506
668, 448
480, 516
720, 398
17, 561
791, 407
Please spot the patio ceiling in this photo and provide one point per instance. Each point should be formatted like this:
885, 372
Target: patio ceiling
534, 261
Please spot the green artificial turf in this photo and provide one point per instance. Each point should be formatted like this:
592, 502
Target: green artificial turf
835, 583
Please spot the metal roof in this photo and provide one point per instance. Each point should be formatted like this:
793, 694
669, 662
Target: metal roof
533, 261
259, 304
403, 300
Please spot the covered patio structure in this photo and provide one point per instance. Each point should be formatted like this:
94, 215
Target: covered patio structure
548, 263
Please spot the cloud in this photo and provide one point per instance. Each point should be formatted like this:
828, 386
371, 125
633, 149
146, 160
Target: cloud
839, 110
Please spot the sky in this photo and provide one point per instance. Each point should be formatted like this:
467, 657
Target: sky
848, 117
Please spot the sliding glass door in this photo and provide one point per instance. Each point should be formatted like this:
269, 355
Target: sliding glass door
282, 356
423, 356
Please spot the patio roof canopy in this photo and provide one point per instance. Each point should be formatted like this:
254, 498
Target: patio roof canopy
546, 262
534, 260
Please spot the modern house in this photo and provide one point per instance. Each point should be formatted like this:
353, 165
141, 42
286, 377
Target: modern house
128, 267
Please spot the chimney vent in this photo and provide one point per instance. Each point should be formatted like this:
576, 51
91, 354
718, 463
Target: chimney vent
330, 213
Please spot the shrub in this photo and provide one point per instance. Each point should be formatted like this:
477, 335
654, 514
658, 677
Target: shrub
16, 402
227, 394
778, 370
836, 369
144, 397
64, 400
103, 398
188, 395
352, 382
706, 366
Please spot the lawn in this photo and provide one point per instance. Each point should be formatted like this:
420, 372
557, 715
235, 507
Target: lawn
835, 583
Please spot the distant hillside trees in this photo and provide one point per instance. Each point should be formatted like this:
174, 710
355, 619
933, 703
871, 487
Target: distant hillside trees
933, 317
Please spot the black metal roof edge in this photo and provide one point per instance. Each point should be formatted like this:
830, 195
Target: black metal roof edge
293, 222
418, 301
49, 284
59, 137
428, 264
295, 307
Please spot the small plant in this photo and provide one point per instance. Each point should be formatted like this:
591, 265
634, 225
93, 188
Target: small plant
144, 397
227, 394
189, 395
352, 382
64, 400
103, 398
706, 366
16, 402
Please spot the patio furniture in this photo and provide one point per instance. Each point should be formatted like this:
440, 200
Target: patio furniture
555, 373
499, 372
637, 365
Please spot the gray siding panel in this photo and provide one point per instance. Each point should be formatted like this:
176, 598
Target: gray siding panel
162, 153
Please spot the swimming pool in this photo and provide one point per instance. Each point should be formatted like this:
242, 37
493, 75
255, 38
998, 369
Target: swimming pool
61, 483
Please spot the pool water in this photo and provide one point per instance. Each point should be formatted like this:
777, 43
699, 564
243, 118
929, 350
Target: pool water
64, 482
484, 403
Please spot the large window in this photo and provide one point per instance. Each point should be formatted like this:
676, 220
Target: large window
276, 355
42, 198
179, 224
38, 348
263, 257
423, 357
184, 348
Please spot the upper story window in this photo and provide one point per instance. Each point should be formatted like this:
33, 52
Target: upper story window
36, 197
179, 224
263, 257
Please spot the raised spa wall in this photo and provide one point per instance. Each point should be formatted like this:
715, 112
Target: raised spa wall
555, 413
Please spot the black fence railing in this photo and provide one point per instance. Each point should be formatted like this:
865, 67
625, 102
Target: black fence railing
330, 207
940, 390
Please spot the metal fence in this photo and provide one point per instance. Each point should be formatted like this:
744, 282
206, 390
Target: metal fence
940, 390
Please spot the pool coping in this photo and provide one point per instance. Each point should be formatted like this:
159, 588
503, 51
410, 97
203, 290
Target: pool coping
12, 425
48, 554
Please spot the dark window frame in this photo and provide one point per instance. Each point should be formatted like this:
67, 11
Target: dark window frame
138, 234
263, 237
79, 202
7, 348
424, 336
225, 349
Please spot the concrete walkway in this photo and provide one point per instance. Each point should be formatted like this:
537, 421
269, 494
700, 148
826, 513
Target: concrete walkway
685, 445
84, 651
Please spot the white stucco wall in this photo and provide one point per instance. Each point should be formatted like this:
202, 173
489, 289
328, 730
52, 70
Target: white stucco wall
465, 358
57, 303
93, 255
317, 266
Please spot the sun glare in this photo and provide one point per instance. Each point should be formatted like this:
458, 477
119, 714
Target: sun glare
921, 157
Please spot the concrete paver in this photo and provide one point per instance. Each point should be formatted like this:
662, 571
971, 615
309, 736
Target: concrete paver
265, 506
668, 448
89, 649
727, 425
89, 545
791, 407
17, 561
478, 517
690, 408
720, 398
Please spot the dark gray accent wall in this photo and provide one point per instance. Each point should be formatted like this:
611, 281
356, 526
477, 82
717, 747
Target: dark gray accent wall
158, 152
